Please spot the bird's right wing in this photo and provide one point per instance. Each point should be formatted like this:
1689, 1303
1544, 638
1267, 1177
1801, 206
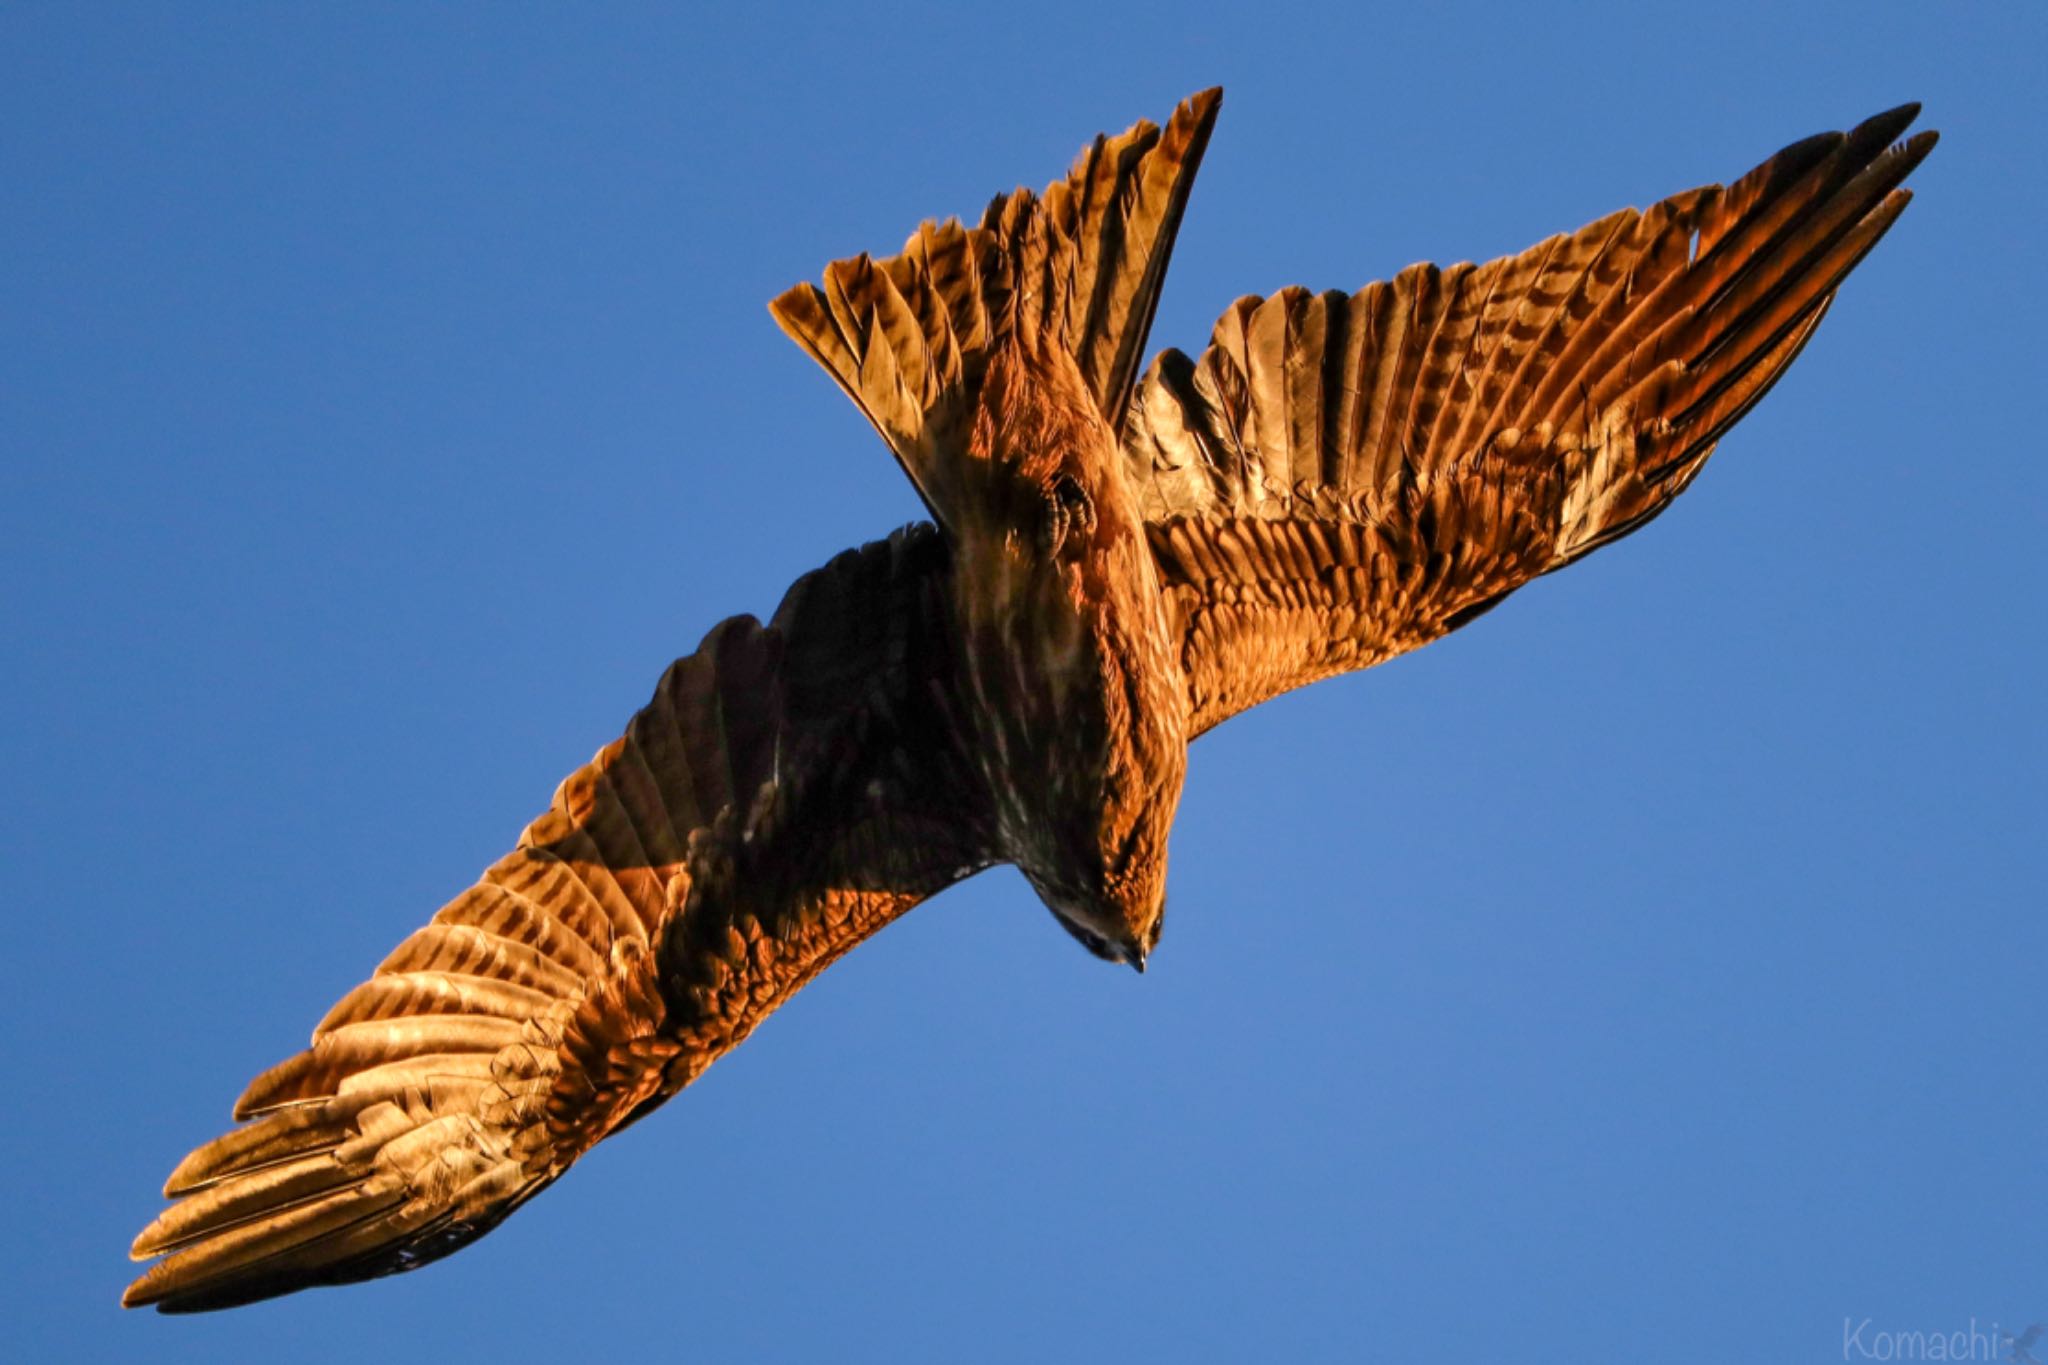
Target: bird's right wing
789, 790
1344, 477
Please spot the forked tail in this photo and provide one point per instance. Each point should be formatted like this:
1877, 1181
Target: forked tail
910, 337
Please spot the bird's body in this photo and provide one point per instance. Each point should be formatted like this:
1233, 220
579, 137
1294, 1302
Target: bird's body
1114, 564
1067, 657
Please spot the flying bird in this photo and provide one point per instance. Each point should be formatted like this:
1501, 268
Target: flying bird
1118, 558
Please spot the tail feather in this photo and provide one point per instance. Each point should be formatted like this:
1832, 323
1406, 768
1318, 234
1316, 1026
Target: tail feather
909, 338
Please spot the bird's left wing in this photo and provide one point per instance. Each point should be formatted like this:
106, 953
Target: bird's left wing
789, 790
1344, 477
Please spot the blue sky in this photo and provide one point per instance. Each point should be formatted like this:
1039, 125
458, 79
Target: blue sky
386, 395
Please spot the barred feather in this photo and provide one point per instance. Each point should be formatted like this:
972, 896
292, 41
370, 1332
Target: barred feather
1480, 425
593, 971
909, 338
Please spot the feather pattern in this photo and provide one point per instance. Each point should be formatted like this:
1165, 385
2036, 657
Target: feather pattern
909, 338
1343, 477
788, 790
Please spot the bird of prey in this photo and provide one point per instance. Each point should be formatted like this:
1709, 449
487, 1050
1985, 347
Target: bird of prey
1118, 558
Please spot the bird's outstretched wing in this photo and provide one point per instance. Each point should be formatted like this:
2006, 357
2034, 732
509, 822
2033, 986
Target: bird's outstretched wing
1079, 266
789, 790
1344, 477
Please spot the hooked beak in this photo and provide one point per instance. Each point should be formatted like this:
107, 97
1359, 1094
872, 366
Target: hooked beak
1137, 961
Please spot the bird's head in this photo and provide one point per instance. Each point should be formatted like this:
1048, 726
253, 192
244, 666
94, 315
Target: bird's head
1108, 886
1113, 932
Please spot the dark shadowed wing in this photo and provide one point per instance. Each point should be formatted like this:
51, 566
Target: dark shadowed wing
1344, 477
789, 790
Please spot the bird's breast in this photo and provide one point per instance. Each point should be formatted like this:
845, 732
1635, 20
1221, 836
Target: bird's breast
1063, 664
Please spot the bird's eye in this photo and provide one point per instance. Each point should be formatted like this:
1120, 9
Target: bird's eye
1088, 938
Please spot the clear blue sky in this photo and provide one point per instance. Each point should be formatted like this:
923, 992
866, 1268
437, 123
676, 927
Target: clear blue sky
1654, 969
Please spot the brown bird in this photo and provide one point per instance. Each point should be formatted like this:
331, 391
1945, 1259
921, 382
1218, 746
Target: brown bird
1113, 566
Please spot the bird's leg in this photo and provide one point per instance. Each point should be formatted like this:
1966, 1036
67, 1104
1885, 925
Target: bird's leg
1068, 509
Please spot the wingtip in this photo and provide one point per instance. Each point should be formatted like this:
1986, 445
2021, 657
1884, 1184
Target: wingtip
1901, 159
162, 1292
1882, 129
793, 305
140, 1248
151, 1242
1200, 108
146, 1290
191, 1173
276, 1087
